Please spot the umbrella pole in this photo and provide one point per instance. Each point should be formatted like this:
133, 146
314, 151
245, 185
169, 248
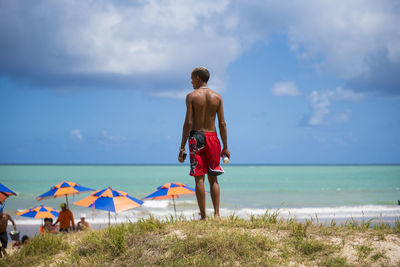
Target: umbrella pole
66, 198
173, 199
108, 218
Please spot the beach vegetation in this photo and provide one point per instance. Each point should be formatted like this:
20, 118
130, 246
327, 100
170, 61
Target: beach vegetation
363, 250
266, 240
38, 249
335, 262
376, 256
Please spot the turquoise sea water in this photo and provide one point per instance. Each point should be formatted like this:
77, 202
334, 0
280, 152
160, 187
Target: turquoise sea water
301, 191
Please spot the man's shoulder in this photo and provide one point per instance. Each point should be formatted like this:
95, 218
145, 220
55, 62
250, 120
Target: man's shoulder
196, 93
190, 94
214, 93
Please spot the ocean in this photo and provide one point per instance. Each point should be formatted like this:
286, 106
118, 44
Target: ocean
319, 192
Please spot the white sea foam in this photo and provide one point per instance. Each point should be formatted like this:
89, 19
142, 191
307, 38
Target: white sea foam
157, 204
322, 213
162, 204
344, 212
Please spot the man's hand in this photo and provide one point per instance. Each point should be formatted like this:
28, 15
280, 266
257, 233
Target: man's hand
180, 157
226, 152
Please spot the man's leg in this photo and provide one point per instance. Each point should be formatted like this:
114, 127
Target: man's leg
201, 195
215, 193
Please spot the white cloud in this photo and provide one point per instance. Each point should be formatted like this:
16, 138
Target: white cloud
112, 138
345, 35
285, 89
346, 39
320, 101
341, 94
153, 45
171, 94
76, 134
344, 116
148, 45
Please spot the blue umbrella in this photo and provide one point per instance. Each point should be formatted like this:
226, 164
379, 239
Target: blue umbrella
5, 192
110, 200
39, 212
64, 189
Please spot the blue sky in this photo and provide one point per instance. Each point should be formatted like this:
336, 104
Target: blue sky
303, 82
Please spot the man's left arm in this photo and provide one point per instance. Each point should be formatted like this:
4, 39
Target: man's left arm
187, 126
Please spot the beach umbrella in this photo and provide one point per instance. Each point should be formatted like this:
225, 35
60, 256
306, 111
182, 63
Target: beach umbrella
39, 212
64, 189
110, 200
5, 192
171, 190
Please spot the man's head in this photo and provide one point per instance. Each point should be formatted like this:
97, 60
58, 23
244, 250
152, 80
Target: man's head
25, 239
63, 206
200, 75
83, 217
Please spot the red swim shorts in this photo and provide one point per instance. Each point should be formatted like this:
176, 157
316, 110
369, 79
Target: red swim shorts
205, 150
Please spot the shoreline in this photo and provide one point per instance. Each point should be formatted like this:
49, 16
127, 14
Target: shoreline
185, 164
164, 208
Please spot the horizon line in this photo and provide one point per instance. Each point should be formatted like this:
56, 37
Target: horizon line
185, 164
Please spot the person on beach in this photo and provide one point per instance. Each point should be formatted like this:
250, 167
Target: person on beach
202, 106
83, 224
19, 244
48, 226
4, 218
65, 218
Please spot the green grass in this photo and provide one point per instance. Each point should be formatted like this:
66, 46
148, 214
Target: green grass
262, 240
38, 250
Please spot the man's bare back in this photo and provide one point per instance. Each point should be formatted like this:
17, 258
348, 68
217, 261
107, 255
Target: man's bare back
205, 104
4, 218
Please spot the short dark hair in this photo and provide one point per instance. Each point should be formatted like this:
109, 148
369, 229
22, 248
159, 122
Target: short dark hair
24, 239
202, 73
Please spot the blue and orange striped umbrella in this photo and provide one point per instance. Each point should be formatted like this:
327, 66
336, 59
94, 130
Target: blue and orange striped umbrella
110, 200
171, 190
5, 192
64, 189
39, 212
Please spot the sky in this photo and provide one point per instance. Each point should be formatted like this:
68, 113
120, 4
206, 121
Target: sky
104, 82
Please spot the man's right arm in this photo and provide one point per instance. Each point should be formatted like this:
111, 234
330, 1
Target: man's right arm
223, 130
187, 126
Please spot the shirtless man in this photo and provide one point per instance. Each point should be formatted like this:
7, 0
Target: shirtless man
202, 106
4, 218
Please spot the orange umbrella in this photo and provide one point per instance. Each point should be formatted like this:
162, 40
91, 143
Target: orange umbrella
39, 212
171, 190
64, 189
5, 192
110, 200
